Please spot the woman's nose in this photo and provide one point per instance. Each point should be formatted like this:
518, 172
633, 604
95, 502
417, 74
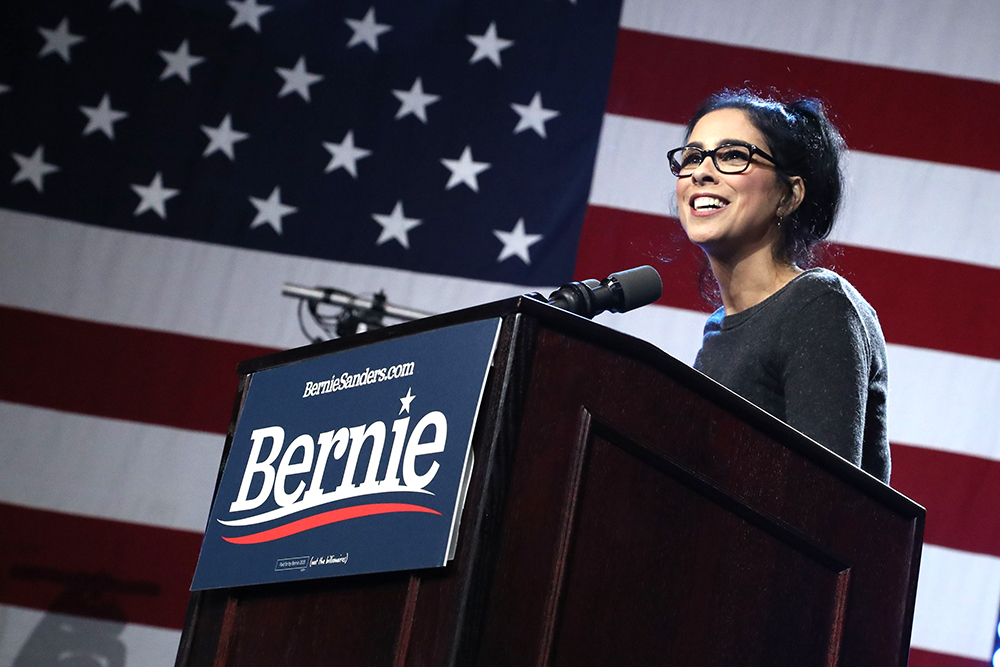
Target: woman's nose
705, 172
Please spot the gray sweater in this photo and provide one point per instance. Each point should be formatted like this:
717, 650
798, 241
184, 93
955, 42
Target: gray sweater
813, 355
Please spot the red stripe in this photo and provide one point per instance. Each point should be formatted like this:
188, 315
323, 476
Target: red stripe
94, 567
961, 494
926, 302
921, 658
50, 560
883, 110
121, 372
326, 518
920, 301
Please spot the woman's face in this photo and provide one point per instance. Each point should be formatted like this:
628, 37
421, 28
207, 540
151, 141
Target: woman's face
730, 215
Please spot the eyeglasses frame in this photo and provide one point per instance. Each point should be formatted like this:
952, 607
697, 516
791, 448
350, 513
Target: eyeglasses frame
754, 150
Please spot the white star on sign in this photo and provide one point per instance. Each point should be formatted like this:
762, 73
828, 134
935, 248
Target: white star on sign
516, 242
102, 117
32, 169
488, 45
367, 31
406, 400
297, 79
395, 226
59, 40
248, 13
222, 138
345, 155
153, 197
465, 170
134, 4
271, 210
533, 116
179, 63
414, 101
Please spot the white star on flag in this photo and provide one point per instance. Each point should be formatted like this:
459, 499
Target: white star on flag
489, 45
516, 242
395, 226
153, 197
59, 40
222, 138
297, 79
367, 31
248, 13
465, 170
406, 400
533, 116
32, 169
102, 117
270, 211
414, 101
345, 155
134, 4
179, 63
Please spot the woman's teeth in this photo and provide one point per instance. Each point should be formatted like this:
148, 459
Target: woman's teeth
704, 203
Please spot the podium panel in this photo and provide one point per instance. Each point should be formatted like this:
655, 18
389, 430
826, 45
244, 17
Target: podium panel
668, 569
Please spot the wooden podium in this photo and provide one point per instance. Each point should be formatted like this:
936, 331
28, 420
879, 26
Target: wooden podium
624, 509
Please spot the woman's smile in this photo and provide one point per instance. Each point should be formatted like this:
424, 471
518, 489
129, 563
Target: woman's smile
704, 204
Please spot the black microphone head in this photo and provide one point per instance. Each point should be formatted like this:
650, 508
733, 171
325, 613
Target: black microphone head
640, 286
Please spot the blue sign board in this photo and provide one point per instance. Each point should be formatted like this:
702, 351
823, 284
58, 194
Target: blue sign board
352, 462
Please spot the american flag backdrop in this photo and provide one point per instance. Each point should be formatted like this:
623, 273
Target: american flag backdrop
166, 165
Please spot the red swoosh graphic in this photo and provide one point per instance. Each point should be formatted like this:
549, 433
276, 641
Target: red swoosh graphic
326, 518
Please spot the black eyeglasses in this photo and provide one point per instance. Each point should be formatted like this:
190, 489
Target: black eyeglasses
728, 158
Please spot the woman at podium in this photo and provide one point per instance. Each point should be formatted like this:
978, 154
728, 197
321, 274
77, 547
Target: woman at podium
759, 184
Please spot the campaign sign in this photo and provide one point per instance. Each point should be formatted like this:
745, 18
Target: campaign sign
352, 462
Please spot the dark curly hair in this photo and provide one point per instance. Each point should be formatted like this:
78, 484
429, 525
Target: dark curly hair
805, 143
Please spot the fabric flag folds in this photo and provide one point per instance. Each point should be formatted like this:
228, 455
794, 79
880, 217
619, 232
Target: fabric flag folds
165, 166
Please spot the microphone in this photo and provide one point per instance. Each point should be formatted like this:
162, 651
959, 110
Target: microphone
620, 292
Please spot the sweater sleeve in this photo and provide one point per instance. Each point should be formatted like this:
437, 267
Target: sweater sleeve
825, 377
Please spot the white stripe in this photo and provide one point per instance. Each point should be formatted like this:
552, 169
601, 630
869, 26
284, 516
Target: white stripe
62, 636
896, 204
674, 330
958, 595
937, 400
63, 268
944, 401
954, 38
107, 468
212, 291
631, 171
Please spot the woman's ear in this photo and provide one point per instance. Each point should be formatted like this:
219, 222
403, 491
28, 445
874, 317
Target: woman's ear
791, 201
